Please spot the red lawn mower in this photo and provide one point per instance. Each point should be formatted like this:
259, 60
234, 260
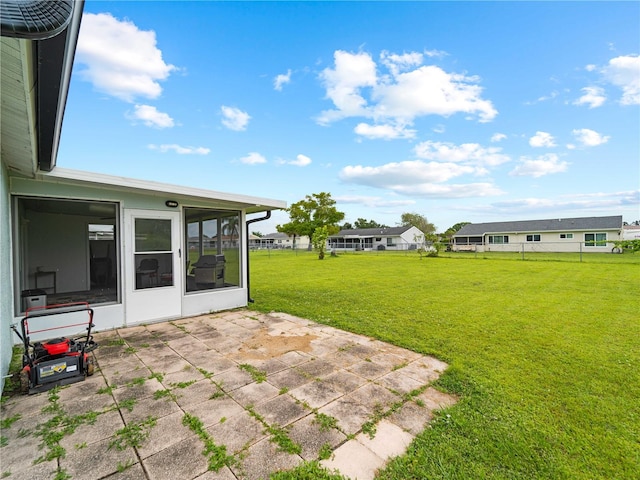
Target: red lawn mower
59, 361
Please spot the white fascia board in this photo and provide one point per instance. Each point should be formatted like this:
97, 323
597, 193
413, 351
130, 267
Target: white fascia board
251, 204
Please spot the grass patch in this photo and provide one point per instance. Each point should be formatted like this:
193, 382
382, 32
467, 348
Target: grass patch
308, 471
543, 354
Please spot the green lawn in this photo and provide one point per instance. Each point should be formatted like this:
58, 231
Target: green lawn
545, 356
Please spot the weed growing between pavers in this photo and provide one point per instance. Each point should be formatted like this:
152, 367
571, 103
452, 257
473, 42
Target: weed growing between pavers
325, 422
370, 426
133, 434
216, 454
325, 452
7, 422
128, 404
205, 373
180, 327
278, 435
258, 376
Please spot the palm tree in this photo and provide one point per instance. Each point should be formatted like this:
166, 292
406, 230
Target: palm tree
230, 227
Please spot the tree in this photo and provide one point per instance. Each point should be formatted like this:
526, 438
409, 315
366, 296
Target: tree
315, 210
257, 234
363, 223
319, 240
420, 222
346, 226
451, 231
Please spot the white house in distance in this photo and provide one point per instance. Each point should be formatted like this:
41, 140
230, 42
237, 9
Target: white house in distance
281, 240
391, 238
631, 232
588, 234
136, 251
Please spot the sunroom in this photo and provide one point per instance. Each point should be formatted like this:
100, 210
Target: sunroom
136, 251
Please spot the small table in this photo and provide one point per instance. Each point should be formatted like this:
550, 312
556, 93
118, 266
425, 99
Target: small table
40, 275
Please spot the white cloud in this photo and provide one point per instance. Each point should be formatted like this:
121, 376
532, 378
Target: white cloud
429, 90
151, 117
624, 72
396, 174
498, 137
352, 72
400, 63
593, 97
300, 161
384, 132
372, 201
164, 148
451, 191
542, 139
253, 158
471, 153
120, 60
589, 202
234, 118
409, 90
538, 167
281, 80
590, 138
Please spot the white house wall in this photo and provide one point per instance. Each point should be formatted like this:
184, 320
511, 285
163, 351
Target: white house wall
6, 276
549, 242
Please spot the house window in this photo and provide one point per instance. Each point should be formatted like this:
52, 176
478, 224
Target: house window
533, 237
389, 242
498, 239
213, 239
595, 239
566, 235
68, 249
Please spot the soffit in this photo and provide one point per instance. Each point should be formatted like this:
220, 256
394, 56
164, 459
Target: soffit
17, 124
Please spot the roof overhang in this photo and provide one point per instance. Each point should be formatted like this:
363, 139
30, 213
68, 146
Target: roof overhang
36, 62
174, 192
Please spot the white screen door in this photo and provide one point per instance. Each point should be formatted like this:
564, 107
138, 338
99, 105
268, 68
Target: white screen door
152, 252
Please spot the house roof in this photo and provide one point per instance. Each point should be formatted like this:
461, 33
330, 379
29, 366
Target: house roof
372, 232
549, 225
37, 49
176, 192
276, 235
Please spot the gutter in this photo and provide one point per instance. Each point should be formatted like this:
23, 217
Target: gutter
247, 223
51, 29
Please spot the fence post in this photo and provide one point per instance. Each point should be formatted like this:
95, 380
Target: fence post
522, 251
580, 252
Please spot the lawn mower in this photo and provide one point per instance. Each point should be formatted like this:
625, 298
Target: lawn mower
58, 361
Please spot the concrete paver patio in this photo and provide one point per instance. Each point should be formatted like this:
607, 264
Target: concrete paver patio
231, 395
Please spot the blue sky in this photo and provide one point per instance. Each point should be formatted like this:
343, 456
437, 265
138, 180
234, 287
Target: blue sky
458, 111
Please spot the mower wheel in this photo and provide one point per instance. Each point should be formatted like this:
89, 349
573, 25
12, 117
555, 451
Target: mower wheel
24, 381
90, 367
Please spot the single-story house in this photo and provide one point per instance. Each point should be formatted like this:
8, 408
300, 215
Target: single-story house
587, 234
631, 232
136, 251
391, 238
282, 240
